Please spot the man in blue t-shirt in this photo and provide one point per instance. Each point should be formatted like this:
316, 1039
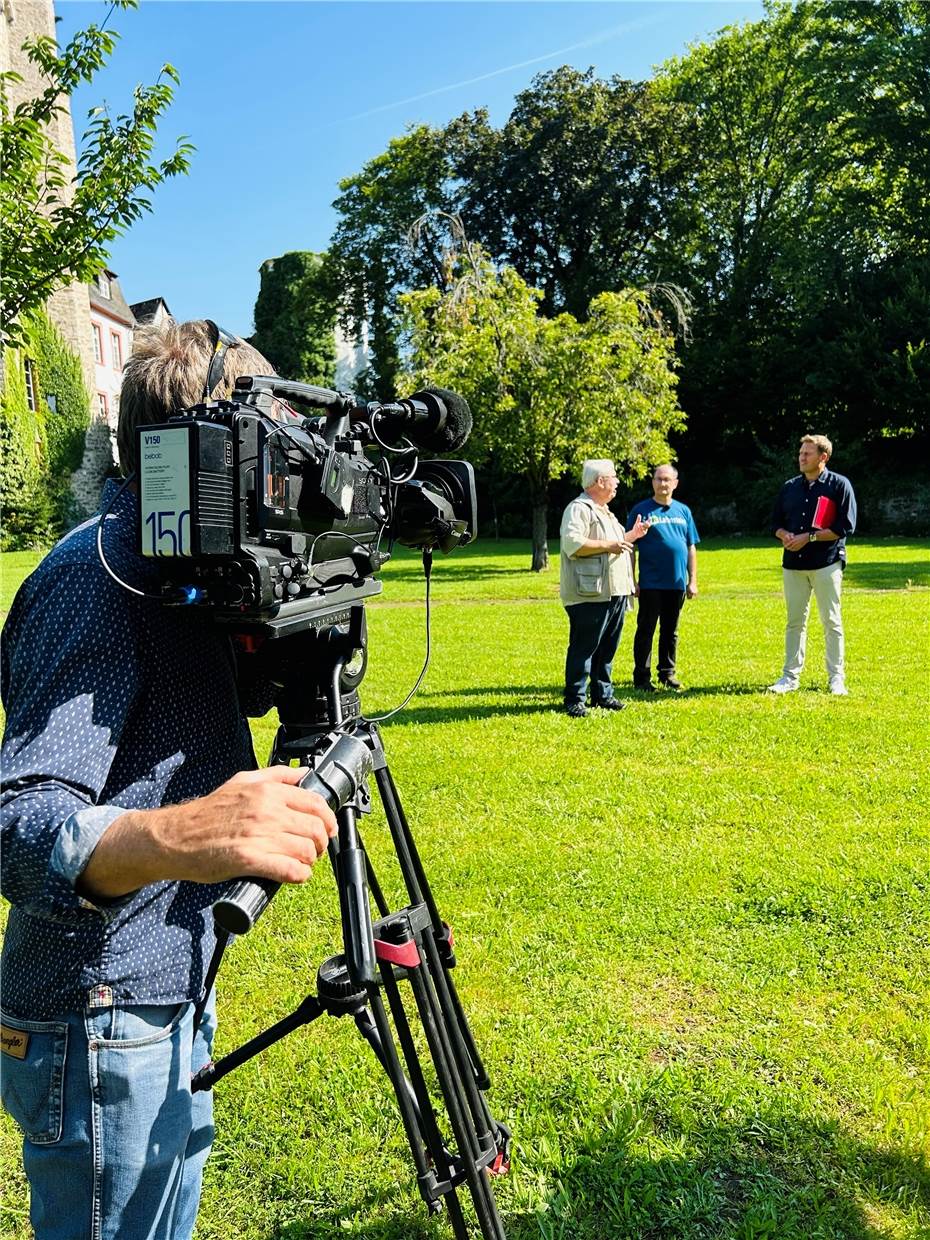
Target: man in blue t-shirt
666, 573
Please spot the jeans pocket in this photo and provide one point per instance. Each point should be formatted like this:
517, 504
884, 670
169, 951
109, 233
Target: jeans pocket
135, 1025
33, 1076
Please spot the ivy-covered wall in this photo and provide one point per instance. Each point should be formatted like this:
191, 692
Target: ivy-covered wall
41, 448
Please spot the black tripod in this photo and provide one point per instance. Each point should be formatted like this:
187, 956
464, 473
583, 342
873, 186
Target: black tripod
453, 1138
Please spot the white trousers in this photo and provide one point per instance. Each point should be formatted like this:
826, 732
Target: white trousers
826, 584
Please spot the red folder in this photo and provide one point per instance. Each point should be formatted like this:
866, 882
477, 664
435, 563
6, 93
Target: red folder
824, 514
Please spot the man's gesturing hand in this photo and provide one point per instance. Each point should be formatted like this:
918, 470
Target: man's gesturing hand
259, 823
638, 530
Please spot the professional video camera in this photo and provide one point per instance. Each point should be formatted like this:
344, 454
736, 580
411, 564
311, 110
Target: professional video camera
277, 521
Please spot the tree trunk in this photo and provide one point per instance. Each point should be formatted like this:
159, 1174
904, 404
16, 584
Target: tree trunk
540, 542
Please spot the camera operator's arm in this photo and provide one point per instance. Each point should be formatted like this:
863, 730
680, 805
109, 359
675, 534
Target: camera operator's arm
258, 823
72, 690
70, 685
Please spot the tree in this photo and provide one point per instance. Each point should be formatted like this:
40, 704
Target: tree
378, 250
805, 201
546, 393
577, 190
295, 317
56, 229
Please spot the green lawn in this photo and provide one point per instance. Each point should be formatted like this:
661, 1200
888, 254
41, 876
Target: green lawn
693, 938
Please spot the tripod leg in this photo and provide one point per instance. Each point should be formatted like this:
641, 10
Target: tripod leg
448, 1003
415, 1135
440, 1154
452, 1088
418, 889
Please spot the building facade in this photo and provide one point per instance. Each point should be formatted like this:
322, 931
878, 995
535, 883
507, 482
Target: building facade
112, 323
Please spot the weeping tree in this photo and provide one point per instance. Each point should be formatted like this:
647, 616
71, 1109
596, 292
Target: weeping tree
546, 393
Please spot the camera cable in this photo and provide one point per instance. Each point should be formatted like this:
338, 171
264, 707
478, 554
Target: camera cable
160, 598
427, 571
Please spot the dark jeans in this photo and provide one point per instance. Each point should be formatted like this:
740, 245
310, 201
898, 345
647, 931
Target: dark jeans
664, 607
593, 635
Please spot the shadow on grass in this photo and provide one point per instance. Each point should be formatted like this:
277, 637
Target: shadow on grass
690, 691
337, 1225
449, 714
524, 700
887, 575
454, 572
767, 1180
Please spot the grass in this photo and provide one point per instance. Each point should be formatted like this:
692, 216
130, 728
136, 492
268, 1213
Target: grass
694, 938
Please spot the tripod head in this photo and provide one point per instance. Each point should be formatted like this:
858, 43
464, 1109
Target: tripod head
316, 674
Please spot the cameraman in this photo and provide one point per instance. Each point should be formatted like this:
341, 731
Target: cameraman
129, 792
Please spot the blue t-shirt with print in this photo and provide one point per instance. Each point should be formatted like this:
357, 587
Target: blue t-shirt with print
663, 552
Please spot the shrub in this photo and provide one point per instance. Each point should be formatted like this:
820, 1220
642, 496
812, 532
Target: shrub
41, 448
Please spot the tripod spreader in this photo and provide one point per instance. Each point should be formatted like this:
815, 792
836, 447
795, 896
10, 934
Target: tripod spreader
336, 778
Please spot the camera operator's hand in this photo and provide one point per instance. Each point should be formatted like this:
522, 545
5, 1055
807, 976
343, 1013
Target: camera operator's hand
258, 823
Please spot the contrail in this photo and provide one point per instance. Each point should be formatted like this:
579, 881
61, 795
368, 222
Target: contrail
594, 39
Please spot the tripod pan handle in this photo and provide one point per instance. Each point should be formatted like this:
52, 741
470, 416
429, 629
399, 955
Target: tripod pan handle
336, 778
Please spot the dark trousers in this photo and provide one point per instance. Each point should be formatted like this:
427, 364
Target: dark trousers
662, 607
593, 636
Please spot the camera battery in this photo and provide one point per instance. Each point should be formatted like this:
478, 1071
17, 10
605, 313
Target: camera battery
186, 489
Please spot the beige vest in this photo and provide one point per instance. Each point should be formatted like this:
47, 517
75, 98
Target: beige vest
591, 578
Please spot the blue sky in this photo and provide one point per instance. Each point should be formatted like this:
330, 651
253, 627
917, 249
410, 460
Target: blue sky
283, 99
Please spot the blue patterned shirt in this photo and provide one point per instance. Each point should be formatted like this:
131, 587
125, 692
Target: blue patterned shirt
113, 702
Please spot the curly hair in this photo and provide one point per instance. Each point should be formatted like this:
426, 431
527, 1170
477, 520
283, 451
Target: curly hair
167, 371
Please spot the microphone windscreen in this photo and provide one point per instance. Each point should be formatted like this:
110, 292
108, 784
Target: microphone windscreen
457, 425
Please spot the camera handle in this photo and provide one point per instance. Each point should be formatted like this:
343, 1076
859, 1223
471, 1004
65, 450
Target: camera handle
336, 779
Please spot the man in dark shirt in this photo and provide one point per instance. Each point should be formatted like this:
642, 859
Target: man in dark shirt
129, 792
812, 517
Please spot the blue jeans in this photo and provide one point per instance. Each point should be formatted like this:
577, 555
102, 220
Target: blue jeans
593, 636
115, 1143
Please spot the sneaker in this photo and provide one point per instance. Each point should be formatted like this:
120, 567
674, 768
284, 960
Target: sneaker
838, 687
610, 704
576, 711
646, 687
783, 686
671, 683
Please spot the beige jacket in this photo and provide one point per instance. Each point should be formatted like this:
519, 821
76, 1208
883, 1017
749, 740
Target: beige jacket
591, 578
